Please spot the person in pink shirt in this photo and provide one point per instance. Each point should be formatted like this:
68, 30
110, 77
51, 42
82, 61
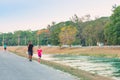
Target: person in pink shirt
39, 51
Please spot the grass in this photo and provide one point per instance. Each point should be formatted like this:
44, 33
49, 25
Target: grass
83, 75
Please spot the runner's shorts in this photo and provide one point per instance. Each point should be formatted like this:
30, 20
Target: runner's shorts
30, 53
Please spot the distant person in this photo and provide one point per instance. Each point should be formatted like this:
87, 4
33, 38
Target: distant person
39, 51
30, 51
5, 47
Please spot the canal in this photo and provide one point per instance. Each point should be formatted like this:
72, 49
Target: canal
109, 67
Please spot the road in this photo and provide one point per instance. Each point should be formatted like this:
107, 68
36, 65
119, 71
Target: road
13, 67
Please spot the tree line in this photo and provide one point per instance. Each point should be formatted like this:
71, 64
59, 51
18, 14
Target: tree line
77, 31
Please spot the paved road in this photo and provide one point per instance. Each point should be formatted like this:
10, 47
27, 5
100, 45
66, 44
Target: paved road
13, 67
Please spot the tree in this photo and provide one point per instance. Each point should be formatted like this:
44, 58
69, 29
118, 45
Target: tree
112, 30
93, 31
42, 36
67, 35
89, 35
99, 25
78, 23
54, 32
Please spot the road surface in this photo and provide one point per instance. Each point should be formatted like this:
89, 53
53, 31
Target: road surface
13, 67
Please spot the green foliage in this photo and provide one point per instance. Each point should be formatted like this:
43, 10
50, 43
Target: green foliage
93, 31
78, 32
115, 17
112, 30
55, 30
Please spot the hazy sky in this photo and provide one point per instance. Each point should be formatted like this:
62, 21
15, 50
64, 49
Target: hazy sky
37, 14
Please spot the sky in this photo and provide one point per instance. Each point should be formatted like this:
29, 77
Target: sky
37, 14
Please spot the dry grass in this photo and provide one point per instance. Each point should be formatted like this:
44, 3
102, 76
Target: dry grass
56, 50
96, 51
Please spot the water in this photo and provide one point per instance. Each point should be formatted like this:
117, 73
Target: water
109, 67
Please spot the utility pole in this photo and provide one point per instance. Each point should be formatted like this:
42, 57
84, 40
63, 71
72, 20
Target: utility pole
3, 39
38, 40
18, 40
2, 42
25, 40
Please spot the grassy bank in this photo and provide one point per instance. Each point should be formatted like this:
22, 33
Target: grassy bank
49, 50
86, 51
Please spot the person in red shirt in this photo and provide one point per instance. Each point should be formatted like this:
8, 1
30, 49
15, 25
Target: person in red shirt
39, 51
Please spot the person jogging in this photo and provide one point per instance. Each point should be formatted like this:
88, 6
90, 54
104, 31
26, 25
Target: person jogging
39, 51
30, 51
5, 47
